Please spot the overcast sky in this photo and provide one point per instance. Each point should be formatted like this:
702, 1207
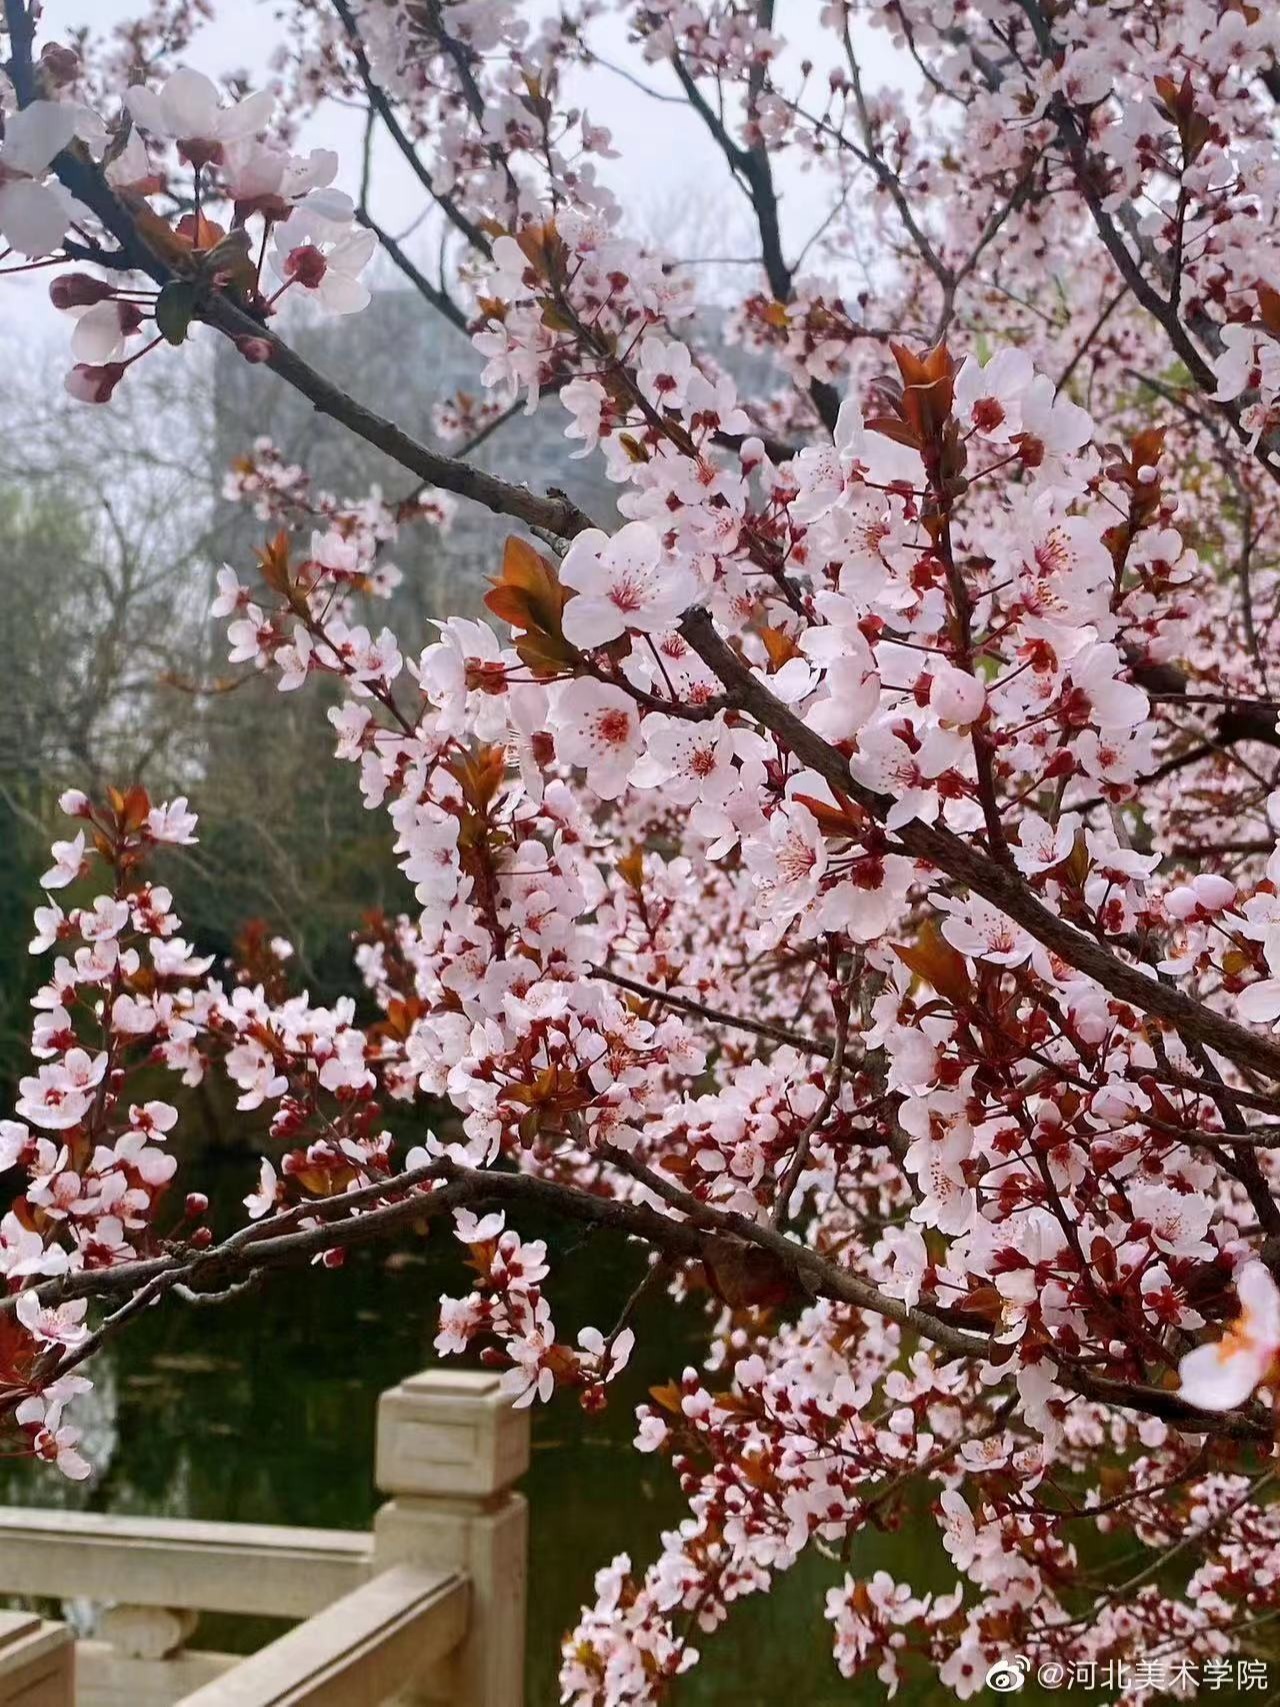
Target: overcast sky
668, 172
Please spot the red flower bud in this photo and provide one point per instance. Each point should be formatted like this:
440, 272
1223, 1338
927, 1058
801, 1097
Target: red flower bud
59, 64
78, 290
91, 384
254, 349
307, 265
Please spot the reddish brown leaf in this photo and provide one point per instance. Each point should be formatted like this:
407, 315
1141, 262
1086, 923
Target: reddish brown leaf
932, 958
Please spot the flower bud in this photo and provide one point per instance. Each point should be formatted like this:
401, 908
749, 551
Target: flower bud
78, 290
59, 64
90, 384
1213, 892
254, 349
306, 265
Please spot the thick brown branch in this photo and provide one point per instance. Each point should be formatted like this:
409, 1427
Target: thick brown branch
557, 515
693, 1232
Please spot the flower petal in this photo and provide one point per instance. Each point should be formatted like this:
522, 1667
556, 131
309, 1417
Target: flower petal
34, 135
34, 217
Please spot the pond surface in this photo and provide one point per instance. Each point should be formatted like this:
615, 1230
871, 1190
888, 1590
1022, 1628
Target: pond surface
262, 1411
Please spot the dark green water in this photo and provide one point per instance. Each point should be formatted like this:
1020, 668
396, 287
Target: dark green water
262, 1410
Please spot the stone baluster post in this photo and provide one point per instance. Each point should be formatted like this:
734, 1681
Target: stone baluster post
37, 1662
449, 1450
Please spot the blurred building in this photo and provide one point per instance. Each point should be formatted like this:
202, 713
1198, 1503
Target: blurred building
400, 358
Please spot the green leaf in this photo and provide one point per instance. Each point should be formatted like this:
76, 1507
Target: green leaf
175, 307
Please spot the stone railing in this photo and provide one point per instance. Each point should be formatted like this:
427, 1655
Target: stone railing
429, 1607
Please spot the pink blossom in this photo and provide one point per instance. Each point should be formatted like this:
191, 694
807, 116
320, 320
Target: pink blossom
989, 396
172, 823
68, 861
621, 583
60, 1447
324, 258
186, 109
265, 1198
1221, 1375
60, 1324
597, 727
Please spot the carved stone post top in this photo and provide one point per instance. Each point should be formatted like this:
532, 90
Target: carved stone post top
450, 1434
146, 1632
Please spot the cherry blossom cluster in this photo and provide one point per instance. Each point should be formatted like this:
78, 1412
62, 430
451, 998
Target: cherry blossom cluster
96, 1166
508, 1305
178, 145
280, 491
1055, 1154
481, 79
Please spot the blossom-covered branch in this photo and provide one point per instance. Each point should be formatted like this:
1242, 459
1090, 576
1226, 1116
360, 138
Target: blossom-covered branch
852, 877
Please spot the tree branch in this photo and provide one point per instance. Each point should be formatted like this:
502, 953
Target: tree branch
716, 1016
1000, 884
386, 112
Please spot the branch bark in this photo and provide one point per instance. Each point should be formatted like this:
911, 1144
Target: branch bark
692, 1232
